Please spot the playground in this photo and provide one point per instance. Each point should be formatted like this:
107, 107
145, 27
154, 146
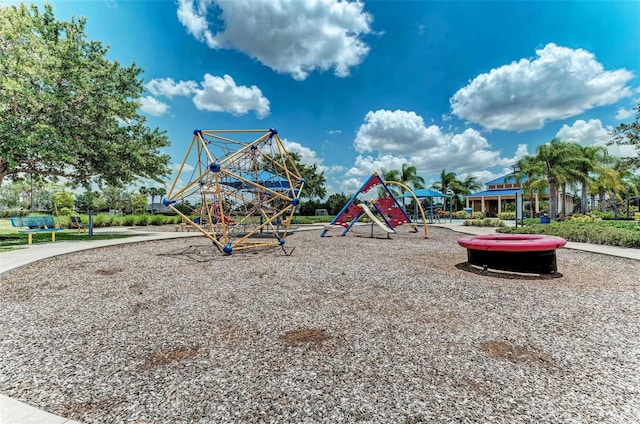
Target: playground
347, 329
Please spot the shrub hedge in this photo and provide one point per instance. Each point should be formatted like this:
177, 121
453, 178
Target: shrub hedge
484, 222
612, 233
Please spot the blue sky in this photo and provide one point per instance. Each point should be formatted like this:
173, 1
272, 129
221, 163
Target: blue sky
466, 86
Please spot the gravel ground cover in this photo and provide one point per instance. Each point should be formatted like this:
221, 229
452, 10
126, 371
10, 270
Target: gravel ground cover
345, 329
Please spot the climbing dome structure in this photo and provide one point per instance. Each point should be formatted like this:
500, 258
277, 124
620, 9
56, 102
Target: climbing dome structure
238, 190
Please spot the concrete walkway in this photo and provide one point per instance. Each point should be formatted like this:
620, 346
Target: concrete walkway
15, 412
39, 251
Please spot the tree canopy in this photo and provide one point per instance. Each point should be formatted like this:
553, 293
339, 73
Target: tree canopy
629, 134
65, 109
315, 179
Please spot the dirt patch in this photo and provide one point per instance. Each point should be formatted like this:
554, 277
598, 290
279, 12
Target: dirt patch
503, 350
304, 337
167, 357
108, 271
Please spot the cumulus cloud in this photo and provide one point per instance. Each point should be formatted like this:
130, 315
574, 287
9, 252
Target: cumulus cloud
365, 165
307, 156
289, 36
401, 136
623, 114
215, 94
221, 94
592, 132
153, 106
388, 139
585, 132
559, 83
167, 87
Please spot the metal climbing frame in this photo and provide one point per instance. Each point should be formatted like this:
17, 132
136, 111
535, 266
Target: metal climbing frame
239, 191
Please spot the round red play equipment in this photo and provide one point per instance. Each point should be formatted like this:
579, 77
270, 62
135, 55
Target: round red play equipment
532, 253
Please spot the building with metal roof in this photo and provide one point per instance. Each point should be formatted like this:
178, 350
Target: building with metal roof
502, 191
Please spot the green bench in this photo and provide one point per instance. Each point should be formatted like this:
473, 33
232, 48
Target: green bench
36, 224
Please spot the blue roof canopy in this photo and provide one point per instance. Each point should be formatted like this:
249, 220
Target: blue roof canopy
504, 192
263, 178
425, 192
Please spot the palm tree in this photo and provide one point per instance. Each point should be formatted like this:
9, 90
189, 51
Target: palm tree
569, 170
390, 175
556, 157
145, 192
161, 192
407, 176
593, 159
446, 179
625, 184
463, 188
529, 174
153, 192
608, 180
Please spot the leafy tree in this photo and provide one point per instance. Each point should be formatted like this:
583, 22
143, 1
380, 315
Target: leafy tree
315, 180
63, 199
629, 134
308, 208
86, 201
336, 202
14, 195
65, 110
112, 197
138, 202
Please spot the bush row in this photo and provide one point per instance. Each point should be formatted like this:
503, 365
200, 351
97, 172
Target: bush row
612, 233
485, 222
464, 215
109, 220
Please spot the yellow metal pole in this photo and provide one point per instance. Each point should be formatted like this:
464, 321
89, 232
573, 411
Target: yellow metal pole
424, 218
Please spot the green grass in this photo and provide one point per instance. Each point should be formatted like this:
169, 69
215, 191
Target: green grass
611, 233
10, 238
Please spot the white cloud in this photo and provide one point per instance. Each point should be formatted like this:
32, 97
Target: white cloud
221, 94
194, 18
167, 87
623, 114
585, 133
559, 83
185, 167
402, 137
215, 94
396, 132
367, 165
307, 156
289, 36
152, 106
592, 132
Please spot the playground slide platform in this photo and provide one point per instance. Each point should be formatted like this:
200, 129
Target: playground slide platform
375, 219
